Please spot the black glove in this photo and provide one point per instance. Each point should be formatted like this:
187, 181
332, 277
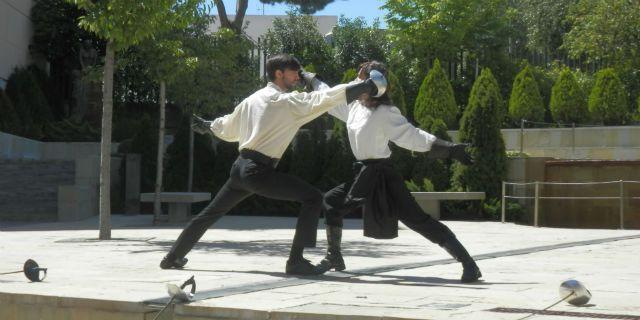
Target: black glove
442, 149
200, 125
307, 79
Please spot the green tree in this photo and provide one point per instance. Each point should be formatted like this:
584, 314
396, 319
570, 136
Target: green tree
608, 99
435, 98
464, 35
29, 102
123, 23
354, 42
236, 25
396, 93
605, 32
166, 59
439, 28
298, 35
349, 75
568, 102
545, 22
479, 127
525, 101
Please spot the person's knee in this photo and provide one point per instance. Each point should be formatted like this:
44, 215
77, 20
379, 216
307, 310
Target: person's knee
313, 198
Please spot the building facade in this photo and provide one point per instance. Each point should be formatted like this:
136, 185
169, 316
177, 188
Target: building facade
15, 35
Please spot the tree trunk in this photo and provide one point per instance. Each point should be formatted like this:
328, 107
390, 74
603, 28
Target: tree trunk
236, 24
190, 175
105, 143
157, 210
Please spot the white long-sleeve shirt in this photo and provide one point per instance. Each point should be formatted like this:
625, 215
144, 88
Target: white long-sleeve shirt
268, 120
370, 130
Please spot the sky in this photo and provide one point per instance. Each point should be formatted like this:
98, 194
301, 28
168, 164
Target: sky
367, 9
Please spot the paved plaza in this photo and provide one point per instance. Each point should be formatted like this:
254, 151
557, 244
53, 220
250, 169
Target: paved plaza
239, 270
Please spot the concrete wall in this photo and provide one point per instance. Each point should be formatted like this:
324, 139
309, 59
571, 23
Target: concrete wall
606, 143
15, 35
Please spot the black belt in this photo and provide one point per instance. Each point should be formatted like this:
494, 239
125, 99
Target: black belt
258, 157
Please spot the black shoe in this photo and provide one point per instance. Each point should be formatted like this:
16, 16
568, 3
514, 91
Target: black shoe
333, 260
470, 273
171, 262
304, 267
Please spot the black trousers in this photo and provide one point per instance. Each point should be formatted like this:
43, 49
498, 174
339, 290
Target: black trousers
409, 212
254, 173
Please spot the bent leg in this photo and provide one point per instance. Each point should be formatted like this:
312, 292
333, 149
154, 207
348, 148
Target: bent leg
224, 201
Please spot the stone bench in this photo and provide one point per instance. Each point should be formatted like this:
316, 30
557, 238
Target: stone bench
430, 201
178, 202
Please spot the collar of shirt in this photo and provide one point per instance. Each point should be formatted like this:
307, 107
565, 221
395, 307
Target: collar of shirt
275, 86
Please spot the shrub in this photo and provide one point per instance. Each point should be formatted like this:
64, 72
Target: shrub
568, 103
435, 98
9, 121
525, 101
608, 99
479, 126
349, 75
436, 171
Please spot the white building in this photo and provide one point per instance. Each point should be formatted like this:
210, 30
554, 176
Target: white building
257, 25
15, 35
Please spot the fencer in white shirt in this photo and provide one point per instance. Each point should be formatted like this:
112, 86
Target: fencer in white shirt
264, 124
372, 123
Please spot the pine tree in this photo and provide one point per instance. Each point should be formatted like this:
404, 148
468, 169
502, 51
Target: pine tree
480, 128
525, 101
608, 99
435, 98
568, 103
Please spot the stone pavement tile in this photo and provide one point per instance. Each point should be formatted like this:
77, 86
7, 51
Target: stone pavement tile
240, 263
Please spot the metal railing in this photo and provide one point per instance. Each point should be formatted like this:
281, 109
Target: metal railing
537, 197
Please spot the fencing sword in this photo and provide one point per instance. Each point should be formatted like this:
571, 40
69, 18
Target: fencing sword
31, 270
178, 293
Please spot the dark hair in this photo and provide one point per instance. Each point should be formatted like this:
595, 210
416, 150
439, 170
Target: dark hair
373, 102
280, 62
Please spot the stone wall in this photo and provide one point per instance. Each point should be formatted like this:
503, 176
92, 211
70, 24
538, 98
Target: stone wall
71, 196
29, 188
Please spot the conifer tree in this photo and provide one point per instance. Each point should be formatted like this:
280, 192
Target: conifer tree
435, 98
608, 99
568, 103
480, 128
525, 101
